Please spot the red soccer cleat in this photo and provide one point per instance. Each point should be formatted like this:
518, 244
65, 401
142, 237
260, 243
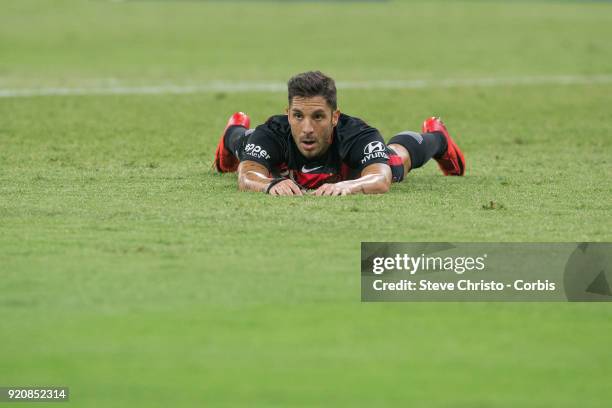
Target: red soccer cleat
225, 161
452, 162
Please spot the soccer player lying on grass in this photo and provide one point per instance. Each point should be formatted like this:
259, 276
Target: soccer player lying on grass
314, 146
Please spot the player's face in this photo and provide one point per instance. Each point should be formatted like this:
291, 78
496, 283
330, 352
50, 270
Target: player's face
312, 123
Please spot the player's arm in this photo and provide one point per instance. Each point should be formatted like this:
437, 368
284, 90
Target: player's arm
365, 151
253, 176
263, 153
374, 179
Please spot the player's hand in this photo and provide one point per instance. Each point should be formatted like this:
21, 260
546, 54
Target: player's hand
336, 189
286, 188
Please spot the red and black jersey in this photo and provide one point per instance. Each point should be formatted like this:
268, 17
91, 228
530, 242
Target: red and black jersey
355, 145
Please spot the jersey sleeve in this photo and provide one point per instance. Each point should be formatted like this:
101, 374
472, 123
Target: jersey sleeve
368, 147
263, 147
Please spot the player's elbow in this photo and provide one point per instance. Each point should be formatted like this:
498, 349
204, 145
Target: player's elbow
381, 186
251, 181
243, 182
376, 179
384, 187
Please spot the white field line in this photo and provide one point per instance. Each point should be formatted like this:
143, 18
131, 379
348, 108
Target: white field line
262, 86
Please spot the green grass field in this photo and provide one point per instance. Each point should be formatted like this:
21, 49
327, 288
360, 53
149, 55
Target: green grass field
137, 276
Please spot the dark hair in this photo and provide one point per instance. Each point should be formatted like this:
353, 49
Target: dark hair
313, 83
